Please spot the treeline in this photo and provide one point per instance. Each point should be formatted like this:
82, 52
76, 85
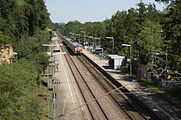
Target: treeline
25, 24
146, 29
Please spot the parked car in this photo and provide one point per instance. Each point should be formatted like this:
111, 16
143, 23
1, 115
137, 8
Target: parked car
98, 51
104, 55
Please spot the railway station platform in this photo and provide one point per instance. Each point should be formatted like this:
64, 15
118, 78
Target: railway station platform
154, 101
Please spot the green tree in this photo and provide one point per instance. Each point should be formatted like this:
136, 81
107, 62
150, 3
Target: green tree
24, 26
150, 41
172, 28
4, 39
17, 98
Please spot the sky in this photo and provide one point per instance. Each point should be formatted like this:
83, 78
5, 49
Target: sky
89, 10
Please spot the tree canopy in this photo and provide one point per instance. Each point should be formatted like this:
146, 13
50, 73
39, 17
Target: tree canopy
148, 30
23, 23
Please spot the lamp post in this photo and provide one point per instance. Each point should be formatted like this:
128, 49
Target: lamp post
166, 58
77, 36
90, 37
102, 52
87, 39
72, 35
83, 32
99, 41
127, 45
112, 43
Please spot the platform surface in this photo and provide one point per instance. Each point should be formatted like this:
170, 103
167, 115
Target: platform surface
153, 100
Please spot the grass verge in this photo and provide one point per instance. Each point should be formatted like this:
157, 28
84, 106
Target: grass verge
43, 95
153, 87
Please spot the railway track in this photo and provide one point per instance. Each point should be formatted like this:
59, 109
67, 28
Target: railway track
97, 107
98, 110
94, 108
117, 96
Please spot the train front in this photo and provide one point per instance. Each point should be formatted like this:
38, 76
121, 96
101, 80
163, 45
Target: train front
78, 49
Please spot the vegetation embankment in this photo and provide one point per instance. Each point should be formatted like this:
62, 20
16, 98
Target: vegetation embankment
25, 25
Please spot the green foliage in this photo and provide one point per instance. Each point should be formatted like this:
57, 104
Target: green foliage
149, 41
19, 80
4, 39
23, 16
72, 26
32, 45
175, 96
41, 59
165, 1
172, 28
17, 99
20, 2
145, 28
23, 23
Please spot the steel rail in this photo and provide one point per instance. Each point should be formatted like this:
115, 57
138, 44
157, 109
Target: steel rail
111, 86
91, 113
121, 94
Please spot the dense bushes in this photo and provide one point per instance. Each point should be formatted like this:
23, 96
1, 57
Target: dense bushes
17, 98
24, 24
27, 46
20, 80
4, 39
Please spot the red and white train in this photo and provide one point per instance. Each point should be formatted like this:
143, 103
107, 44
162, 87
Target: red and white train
74, 46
